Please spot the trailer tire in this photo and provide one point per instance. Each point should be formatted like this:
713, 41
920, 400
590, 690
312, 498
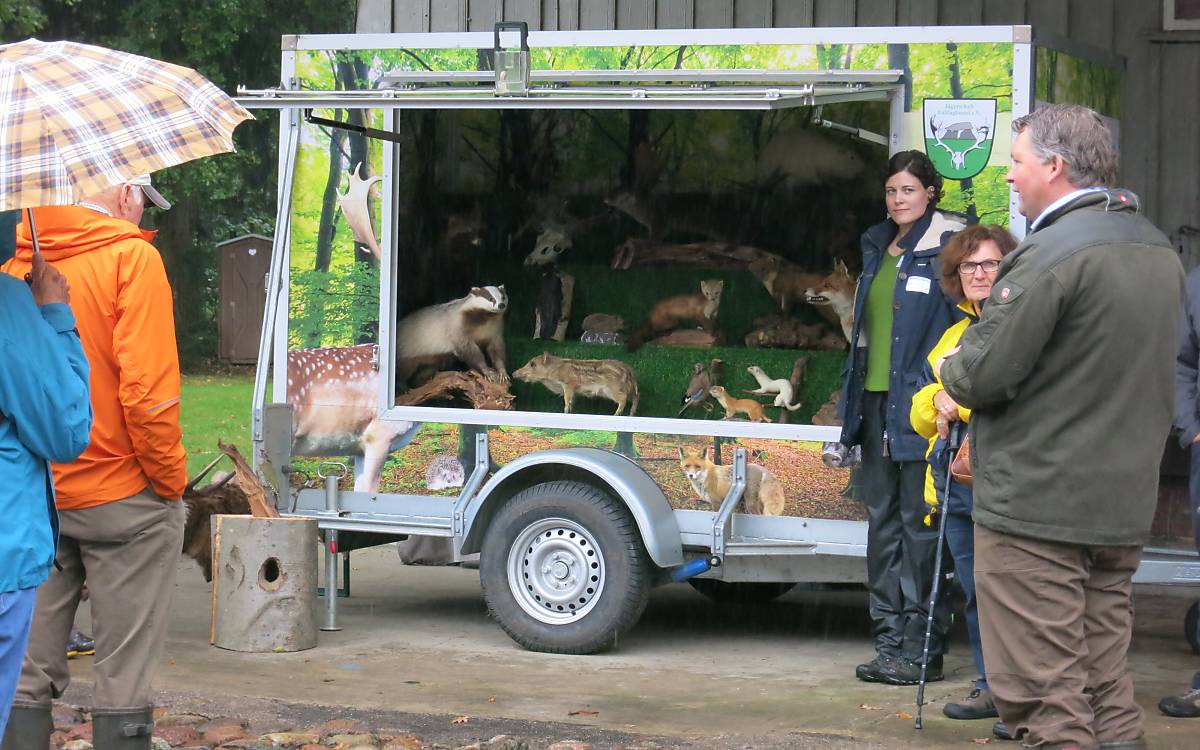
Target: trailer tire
740, 592
1191, 627
563, 569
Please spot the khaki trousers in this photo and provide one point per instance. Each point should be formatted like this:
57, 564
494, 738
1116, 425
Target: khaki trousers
1056, 620
127, 552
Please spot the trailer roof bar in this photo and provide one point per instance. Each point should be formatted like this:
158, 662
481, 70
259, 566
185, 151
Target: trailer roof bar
750, 89
407, 78
556, 97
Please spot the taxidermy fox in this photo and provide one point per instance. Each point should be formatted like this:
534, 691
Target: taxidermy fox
785, 283
763, 495
836, 292
672, 311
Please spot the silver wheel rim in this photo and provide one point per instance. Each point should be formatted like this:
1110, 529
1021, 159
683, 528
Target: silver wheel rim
556, 571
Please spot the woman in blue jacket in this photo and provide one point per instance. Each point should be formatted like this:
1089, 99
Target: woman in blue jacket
45, 415
899, 313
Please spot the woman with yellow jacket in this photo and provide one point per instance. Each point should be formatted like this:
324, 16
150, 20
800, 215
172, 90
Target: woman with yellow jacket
970, 262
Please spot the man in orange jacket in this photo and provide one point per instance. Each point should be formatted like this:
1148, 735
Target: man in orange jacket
122, 519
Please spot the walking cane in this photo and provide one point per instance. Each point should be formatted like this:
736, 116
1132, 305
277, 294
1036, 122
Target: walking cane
953, 442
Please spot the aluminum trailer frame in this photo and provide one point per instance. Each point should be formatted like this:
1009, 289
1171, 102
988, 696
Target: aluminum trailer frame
733, 548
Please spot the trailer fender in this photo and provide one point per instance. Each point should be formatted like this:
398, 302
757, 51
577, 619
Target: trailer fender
622, 477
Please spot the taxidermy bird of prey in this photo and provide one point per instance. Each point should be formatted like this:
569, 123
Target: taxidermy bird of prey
702, 380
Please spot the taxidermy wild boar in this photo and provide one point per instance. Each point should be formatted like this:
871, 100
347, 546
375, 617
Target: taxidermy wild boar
604, 378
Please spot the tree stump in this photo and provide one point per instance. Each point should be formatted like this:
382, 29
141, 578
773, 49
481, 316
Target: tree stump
799, 372
264, 594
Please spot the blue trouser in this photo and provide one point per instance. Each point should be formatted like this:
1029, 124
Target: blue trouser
1194, 497
16, 616
960, 537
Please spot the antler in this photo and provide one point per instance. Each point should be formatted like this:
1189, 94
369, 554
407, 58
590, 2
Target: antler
203, 473
980, 137
933, 126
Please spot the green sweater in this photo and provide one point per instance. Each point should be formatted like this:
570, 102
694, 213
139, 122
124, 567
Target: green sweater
878, 322
1070, 372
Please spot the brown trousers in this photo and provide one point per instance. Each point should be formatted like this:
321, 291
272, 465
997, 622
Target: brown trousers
1056, 620
126, 551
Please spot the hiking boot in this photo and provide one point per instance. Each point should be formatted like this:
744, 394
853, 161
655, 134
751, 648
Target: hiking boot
908, 672
872, 671
1186, 706
80, 645
978, 705
1001, 732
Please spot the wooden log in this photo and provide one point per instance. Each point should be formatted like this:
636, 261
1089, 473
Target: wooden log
248, 480
717, 255
264, 596
481, 392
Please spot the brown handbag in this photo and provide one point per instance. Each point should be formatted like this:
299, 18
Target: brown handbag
960, 467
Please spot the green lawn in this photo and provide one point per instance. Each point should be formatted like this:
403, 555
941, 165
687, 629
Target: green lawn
215, 406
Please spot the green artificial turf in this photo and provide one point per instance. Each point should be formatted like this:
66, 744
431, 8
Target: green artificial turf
663, 373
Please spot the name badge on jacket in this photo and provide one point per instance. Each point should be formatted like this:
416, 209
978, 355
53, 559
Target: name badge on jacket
917, 284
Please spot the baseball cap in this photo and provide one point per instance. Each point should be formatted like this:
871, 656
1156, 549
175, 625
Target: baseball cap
143, 181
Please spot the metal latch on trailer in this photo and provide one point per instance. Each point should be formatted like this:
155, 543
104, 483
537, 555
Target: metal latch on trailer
512, 64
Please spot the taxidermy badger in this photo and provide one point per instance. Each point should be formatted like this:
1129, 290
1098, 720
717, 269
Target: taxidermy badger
463, 329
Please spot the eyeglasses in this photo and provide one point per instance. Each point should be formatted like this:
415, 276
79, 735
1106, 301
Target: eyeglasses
967, 267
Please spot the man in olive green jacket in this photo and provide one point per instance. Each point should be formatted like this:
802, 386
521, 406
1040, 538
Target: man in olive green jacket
1070, 372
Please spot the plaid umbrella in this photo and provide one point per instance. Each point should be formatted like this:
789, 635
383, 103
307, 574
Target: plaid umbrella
76, 120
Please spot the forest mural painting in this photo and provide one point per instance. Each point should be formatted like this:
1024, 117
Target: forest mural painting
595, 246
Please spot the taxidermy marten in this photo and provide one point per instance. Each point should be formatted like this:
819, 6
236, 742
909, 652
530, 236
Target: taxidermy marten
734, 406
670, 312
463, 329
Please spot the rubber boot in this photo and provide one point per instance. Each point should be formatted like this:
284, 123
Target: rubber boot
29, 727
122, 728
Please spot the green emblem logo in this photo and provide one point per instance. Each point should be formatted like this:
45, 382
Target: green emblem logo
959, 135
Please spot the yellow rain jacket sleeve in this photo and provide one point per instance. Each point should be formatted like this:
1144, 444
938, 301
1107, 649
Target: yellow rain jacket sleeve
923, 415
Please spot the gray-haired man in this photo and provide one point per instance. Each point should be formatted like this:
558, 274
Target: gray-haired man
1067, 431
1186, 705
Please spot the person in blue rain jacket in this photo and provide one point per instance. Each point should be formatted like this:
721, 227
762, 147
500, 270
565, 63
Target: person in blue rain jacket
45, 415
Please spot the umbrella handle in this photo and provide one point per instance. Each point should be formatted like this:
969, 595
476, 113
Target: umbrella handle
33, 232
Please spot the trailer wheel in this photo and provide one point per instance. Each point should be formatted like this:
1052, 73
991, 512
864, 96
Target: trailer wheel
740, 592
563, 569
1191, 627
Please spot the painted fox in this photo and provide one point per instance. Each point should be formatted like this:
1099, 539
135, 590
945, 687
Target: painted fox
763, 495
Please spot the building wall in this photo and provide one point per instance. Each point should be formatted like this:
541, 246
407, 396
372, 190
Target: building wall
1160, 128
